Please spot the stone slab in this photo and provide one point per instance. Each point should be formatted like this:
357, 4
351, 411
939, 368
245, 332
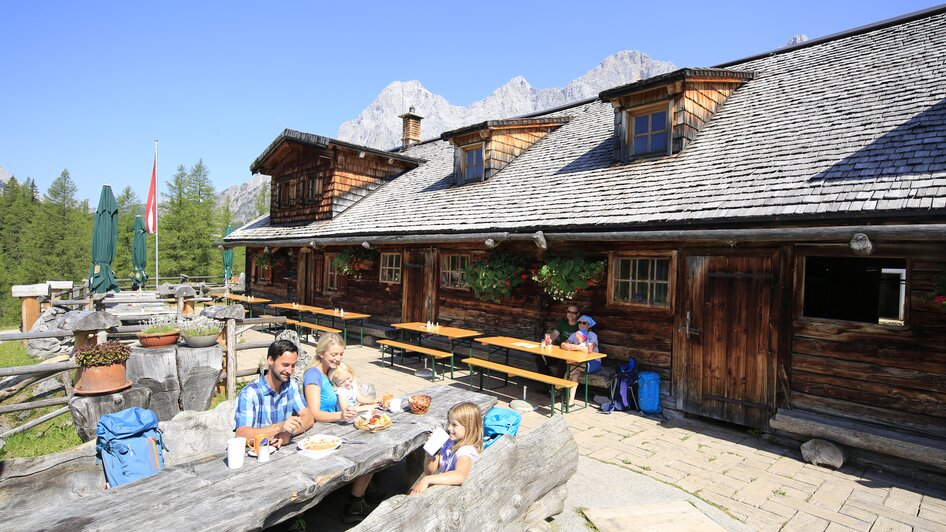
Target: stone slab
673, 516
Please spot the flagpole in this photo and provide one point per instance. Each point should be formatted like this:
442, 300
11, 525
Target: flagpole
156, 280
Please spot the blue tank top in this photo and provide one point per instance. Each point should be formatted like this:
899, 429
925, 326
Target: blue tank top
328, 399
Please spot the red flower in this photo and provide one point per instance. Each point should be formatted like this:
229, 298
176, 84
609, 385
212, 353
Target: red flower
524, 276
507, 283
591, 283
940, 299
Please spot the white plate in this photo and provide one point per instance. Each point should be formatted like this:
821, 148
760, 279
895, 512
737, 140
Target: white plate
252, 454
334, 441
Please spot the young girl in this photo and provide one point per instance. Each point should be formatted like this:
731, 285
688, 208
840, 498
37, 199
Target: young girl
453, 462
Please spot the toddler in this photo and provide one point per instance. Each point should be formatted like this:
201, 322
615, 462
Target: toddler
343, 378
452, 464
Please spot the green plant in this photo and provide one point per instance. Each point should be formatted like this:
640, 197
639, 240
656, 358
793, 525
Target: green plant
348, 259
263, 259
493, 278
562, 277
104, 354
200, 326
160, 325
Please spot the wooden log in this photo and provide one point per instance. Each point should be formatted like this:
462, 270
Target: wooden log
55, 333
925, 450
231, 362
30, 290
86, 410
29, 312
156, 369
529, 469
198, 370
49, 479
42, 419
33, 404
44, 370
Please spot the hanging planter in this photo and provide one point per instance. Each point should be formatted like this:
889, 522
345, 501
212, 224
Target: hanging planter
102, 368
493, 278
352, 260
563, 277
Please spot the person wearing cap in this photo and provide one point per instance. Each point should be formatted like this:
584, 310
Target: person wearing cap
563, 329
579, 341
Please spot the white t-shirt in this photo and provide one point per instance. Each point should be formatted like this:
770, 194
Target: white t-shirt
350, 394
448, 458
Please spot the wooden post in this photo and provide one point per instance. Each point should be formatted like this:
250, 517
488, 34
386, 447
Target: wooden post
29, 295
180, 307
231, 358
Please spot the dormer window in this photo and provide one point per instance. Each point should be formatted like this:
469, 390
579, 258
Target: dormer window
486, 148
650, 131
662, 114
471, 165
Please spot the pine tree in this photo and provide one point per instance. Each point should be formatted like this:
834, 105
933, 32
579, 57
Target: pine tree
128, 206
18, 205
189, 226
262, 200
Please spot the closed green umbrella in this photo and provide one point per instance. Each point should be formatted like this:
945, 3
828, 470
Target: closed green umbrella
139, 252
104, 236
227, 259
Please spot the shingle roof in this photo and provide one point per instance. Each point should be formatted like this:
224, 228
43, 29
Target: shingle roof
301, 137
849, 128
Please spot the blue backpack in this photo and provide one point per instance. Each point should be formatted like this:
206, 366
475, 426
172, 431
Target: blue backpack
648, 392
499, 421
621, 387
129, 445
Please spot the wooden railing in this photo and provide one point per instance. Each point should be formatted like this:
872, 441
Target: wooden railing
233, 328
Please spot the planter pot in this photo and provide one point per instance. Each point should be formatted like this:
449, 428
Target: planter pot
365, 264
158, 339
200, 341
96, 380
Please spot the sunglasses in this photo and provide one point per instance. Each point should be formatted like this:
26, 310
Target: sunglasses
571, 312
582, 323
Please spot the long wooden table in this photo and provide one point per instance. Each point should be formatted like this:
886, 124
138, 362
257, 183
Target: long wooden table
572, 359
454, 334
249, 300
345, 318
206, 495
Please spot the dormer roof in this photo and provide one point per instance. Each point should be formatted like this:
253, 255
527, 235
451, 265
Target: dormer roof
512, 123
291, 136
720, 75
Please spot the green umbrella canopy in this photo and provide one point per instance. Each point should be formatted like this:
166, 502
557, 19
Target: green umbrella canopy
104, 236
227, 258
139, 252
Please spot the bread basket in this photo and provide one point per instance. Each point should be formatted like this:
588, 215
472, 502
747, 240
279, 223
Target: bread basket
420, 403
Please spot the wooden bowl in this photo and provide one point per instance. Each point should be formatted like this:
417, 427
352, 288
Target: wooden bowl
419, 403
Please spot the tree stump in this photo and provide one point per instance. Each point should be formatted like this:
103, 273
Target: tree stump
156, 369
86, 410
515, 484
198, 370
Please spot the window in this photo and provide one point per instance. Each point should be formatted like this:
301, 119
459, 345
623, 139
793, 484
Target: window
650, 132
856, 289
284, 199
313, 188
390, 268
331, 273
641, 281
471, 163
452, 274
262, 268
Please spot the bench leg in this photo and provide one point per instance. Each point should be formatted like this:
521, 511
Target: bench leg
552, 393
433, 369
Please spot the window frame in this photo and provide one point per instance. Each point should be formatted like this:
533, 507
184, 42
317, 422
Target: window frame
839, 252
262, 275
479, 146
313, 180
444, 258
649, 109
383, 268
670, 256
330, 282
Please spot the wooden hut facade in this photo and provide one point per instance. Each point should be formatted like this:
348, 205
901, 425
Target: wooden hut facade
772, 229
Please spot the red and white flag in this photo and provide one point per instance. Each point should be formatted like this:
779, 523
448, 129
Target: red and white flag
151, 208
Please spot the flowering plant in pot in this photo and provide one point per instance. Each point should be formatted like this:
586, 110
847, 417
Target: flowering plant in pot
200, 331
102, 368
159, 331
351, 260
493, 278
562, 277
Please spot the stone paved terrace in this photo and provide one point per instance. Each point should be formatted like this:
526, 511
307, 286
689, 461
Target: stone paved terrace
761, 483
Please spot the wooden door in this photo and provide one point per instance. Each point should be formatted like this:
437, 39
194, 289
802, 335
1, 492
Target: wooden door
419, 289
726, 334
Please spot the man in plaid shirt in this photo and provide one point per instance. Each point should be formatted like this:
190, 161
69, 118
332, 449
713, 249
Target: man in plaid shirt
273, 403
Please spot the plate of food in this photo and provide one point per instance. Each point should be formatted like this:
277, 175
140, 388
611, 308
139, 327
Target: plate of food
318, 445
367, 421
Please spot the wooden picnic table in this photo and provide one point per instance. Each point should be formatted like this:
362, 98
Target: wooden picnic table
345, 318
572, 359
298, 307
206, 495
454, 334
249, 300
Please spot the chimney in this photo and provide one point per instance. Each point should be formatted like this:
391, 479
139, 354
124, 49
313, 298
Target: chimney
410, 129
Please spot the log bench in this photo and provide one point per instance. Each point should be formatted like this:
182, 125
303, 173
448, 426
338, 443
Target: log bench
516, 484
555, 383
404, 347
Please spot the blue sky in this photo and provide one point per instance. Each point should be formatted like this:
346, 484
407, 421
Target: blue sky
88, 86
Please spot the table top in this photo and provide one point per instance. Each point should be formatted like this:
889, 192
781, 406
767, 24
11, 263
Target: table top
245, 299
453, 333
528, 346
256, 495
346, 316
296, 306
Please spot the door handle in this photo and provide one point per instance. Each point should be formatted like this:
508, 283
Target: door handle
685, 328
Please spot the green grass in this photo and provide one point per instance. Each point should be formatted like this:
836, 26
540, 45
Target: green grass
14, 354
221, 397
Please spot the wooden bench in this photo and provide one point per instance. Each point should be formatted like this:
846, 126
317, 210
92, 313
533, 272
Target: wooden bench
554, 383
313, 328
405, 347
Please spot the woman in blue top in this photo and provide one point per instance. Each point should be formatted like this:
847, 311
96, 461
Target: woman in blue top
322, 401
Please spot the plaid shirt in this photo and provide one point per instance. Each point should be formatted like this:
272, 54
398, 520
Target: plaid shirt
259, 405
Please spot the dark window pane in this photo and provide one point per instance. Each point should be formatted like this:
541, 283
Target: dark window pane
658, 121
641, 124
642, 269
658, 142
854, 289
662, 270
640, 145
661, 294
624, 269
